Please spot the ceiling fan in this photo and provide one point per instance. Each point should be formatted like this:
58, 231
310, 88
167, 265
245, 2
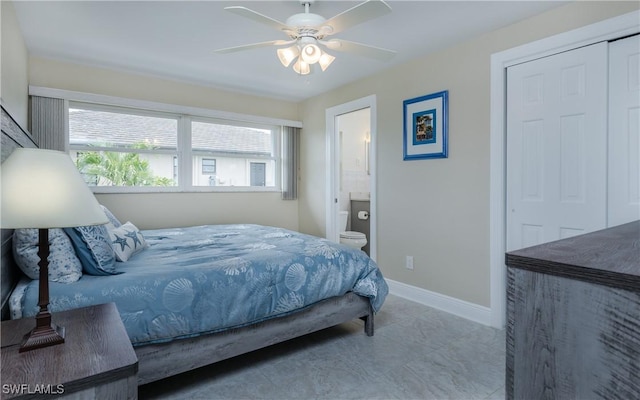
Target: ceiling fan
308, 31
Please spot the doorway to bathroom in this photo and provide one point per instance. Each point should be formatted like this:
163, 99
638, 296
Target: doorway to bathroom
351, 144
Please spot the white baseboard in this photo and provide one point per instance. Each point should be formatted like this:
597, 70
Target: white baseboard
461, 308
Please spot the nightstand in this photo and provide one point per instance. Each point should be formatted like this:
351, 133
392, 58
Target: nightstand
96, 360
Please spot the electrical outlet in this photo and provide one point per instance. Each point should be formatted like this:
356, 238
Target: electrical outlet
408, 264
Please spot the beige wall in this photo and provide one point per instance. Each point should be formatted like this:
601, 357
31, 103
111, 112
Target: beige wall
14, 70
81, 78
435, 210
158, 210
164, 210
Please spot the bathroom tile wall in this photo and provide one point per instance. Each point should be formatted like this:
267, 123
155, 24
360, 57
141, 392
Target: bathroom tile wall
353, 181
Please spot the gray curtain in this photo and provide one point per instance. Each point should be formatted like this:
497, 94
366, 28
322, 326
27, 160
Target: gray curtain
290, 162
47, 123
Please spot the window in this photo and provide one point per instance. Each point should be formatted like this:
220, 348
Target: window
117, 147
258, 176
208, 166
236, 149
139, 150
175, 168
92, 180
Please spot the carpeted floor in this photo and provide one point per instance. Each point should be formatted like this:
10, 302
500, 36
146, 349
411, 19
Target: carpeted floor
417, 353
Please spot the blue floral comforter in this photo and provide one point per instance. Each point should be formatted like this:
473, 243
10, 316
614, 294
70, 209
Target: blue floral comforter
210, 278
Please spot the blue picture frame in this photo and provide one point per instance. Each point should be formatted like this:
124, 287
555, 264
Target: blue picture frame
425, 126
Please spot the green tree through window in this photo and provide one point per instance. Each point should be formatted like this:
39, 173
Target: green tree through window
110, 168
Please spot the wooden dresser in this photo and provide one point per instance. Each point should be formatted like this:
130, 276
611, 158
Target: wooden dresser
96, 361
573, 317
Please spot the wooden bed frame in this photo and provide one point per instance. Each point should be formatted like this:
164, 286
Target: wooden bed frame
158, 361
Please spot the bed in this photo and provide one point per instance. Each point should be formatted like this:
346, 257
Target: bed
194, 296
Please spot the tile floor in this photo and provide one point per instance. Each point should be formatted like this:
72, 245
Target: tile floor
417, 353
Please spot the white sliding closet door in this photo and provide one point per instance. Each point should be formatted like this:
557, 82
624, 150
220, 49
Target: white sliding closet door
624, 133
557, 146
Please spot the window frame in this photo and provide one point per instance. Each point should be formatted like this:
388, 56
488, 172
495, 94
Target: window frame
183, 152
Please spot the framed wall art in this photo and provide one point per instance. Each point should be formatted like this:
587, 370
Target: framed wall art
425, 126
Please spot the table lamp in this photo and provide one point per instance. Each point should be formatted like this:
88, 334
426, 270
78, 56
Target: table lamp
43, 189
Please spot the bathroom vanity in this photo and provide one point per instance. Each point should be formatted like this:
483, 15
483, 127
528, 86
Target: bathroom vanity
573, 317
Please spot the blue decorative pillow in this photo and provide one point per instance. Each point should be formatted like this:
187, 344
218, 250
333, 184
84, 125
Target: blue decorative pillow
64, 265
126, 241
93, 248
112, 218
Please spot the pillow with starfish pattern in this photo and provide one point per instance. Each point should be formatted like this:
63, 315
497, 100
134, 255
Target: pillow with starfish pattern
126, 240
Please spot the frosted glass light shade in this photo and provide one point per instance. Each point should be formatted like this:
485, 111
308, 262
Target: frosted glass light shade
311, 53
325, 60
287, 55
301, 67
43, 189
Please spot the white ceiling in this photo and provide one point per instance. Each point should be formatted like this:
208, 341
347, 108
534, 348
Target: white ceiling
177, 39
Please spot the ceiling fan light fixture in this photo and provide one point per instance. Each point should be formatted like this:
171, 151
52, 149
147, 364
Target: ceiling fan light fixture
287, 55
311, 53
301, 67
308, 30
325, 60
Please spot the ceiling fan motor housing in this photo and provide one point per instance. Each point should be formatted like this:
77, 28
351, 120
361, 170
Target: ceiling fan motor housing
306, 24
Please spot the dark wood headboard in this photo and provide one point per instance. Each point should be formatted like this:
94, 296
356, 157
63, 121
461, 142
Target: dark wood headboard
13, 136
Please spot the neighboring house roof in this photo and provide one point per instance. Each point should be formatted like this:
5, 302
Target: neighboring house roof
99, 128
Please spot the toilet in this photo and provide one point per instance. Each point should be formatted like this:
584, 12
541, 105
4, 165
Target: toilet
357, 240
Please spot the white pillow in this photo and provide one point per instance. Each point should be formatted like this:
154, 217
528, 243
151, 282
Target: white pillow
126, 240
64, 265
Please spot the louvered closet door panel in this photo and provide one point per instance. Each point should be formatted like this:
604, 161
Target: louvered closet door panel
624, 131
556, 146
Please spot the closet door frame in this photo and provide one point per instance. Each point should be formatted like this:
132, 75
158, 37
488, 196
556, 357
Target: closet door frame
624, 160
613, 28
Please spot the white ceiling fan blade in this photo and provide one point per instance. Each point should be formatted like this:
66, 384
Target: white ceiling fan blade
370, 9
359, 49
256, 16
254, 46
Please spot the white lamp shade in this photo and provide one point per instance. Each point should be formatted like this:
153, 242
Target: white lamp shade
43, 189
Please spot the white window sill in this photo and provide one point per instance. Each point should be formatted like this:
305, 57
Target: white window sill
195, 189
